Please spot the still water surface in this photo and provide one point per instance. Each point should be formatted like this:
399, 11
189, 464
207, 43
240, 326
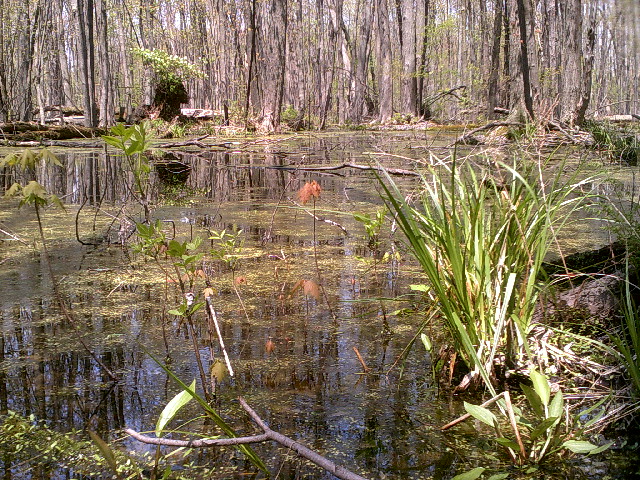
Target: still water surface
311, 387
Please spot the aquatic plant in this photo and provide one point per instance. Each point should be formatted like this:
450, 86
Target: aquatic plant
25, 439
481, 242
627, 338
543, 436
620, 144
133, 142
372, 225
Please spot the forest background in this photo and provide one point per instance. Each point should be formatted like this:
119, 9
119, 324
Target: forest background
331, 61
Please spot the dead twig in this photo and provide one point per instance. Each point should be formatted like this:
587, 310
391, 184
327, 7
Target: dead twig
325, 463
319, 219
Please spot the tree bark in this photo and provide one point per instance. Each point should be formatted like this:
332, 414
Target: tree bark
495, 60
383, 43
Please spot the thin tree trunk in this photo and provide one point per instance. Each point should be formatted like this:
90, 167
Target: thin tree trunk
495, 60
383, 43
524, 59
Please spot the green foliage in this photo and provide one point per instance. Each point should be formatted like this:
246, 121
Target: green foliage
133, 142
172, 68
173, 407
543, 435
627, 340
481, 243
33, 193
28, 440
289, 115
28, 159
228, 246
372, 225
214, 416
621, 145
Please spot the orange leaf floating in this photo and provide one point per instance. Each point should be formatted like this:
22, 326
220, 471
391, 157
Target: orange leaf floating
309, 190
269, 346
309, 287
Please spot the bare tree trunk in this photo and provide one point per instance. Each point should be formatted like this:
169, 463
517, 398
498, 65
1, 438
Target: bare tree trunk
495, 59
383, 44
106, 94
423, 62
524, 58
360, 60
86, 51
251, 39
409, 81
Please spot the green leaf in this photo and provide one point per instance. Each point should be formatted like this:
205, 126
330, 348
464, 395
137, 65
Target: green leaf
13, 190
106, 451
172, 408
481, 413
419, 288
505, 442
175, 312
34, 189
176, 249
113, 141
602, 448
49, 158
542, 427
557, 405
470, 475
534, 400
541, 386
9, 160
27, 159
499, 476
579, 446
426, 342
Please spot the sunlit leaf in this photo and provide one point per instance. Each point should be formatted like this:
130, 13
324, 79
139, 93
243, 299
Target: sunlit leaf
27, 159
470, 475
218, 371
557, 405
13, 190
426, 342
48, 157
481, 413
172, 408
541, 386
579, 446
34, 189
9, 160
419, 288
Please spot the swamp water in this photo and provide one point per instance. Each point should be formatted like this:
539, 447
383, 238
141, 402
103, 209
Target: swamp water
294, 363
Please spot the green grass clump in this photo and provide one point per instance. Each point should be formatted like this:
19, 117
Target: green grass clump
481, 242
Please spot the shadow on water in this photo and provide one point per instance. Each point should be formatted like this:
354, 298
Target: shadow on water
311, 387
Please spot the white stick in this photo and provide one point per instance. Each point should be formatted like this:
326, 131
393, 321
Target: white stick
215, 322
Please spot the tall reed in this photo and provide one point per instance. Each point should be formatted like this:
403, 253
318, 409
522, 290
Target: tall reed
481, 241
